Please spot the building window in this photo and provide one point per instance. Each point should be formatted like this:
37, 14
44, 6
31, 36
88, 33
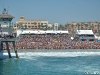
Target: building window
35, 23
28, 23
28, 26
45, 23
41, 23
32, 23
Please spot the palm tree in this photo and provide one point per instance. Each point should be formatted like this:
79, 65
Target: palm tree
25, 26
42, 26
14, 25
92, 27
46, 26
60, 27
49, 28
78, 26
82, 24
63, 27
18, 26
35, 24
72, 28
39, 26
67, 26
52, 27
22, 26
86, 26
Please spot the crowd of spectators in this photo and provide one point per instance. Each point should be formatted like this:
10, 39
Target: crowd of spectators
51, 41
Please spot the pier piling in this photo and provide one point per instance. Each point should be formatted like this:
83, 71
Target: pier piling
14, 45
7, 46
8, 49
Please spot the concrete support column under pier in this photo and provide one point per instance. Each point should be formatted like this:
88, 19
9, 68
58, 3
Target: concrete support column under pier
7, 46
8, 50
14, 45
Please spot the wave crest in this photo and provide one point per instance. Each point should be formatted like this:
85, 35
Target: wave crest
54, 54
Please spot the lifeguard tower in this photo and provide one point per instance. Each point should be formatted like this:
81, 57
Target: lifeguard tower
5, 30
5, 22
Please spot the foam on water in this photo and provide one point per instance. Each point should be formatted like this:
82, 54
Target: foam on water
53, 54
38, 61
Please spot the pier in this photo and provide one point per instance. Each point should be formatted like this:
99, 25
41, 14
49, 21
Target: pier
6, 32
7, 46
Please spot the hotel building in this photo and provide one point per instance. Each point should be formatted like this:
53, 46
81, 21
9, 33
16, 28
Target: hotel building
30, 24
72, 27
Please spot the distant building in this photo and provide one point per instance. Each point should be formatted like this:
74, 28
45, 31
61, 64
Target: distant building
29, 24
72, 27
50, 26
5, 22
55, 26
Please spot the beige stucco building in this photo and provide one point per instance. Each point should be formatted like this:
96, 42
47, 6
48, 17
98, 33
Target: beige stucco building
74, 26
29, 24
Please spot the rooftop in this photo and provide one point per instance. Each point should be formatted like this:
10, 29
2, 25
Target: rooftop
23, 19
6, 16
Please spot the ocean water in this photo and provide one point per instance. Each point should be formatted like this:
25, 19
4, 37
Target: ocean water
51, 62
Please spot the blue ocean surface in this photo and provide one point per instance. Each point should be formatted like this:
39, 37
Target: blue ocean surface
51, 62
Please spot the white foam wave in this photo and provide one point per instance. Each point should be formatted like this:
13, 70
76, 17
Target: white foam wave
54, 54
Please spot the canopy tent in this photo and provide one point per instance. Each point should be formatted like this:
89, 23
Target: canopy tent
84, 32
43, 32
85, 35
39, 32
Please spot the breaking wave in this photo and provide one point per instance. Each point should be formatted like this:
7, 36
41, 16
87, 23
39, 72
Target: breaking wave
53, 54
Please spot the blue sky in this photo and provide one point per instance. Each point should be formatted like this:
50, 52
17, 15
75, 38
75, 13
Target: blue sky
61, 11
